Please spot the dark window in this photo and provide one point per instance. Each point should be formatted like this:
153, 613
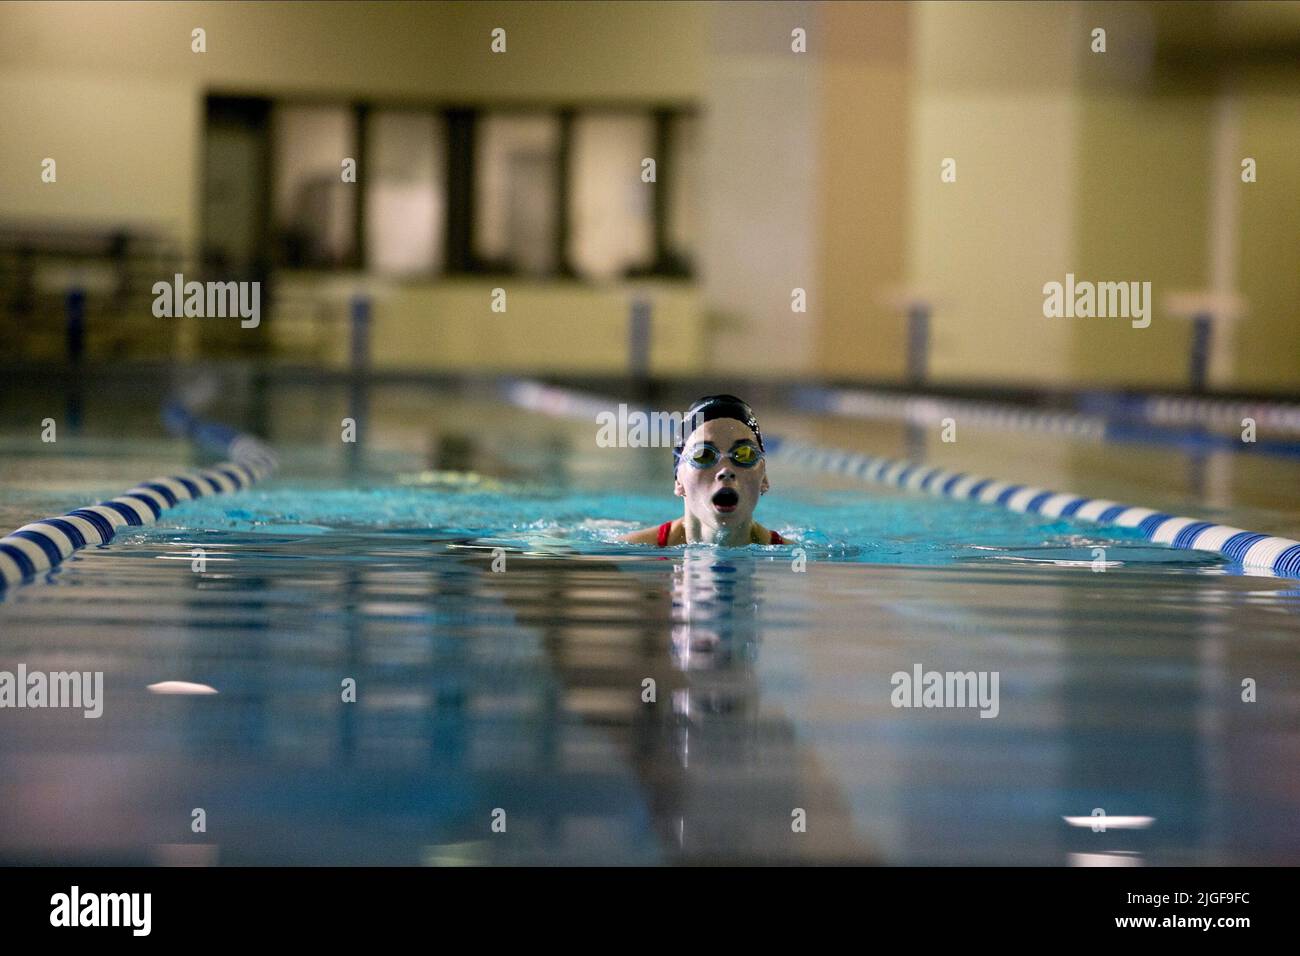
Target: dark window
538, 192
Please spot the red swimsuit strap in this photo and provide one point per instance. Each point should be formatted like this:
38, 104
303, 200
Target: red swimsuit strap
666, 529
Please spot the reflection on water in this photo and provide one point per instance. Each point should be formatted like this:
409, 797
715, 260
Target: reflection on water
724, 762
614, 704
769, 737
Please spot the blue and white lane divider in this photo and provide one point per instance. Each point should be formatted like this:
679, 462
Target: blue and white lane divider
931, 410
926, 410
1172, 410
1251, 549
557, 402
42, 545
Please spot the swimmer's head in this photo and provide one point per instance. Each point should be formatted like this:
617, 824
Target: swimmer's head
719, 466
712, 407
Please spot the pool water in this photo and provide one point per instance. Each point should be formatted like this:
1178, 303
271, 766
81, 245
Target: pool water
462, 570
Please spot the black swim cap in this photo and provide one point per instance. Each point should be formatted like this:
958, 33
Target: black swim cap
708, 408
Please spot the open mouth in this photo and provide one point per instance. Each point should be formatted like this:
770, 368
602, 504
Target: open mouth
726, 499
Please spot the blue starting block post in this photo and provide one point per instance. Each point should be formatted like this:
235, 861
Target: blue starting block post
638, 347
359, 323
1204, 309
918, 342
74, 312
359, 309
1207, 311
917, 308
1202, 326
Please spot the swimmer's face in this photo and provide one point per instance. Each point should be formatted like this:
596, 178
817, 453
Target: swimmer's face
739, 487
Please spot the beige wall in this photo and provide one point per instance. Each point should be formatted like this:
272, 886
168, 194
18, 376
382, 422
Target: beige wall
554, 50
1267, 353
1102, 165
821, 170
559, 326
760, 192
865, 155
1162, 199
113, 92
993, 92
125, 151
1143, 216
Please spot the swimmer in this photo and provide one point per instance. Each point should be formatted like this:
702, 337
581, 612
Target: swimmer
719, 471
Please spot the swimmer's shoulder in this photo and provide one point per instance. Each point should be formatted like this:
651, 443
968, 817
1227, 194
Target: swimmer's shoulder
651, 535
760, 535
677, 535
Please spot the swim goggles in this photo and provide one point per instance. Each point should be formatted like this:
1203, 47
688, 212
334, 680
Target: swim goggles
745, 454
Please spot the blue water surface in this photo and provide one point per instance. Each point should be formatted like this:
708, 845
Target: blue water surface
847, 526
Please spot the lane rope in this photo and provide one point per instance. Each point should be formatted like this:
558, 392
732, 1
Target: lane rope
1280, 418
931, 410
1250, 549
1106, 423
41, 545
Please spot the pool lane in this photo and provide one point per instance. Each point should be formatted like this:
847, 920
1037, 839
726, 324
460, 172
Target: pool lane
1121, 690
1244, 490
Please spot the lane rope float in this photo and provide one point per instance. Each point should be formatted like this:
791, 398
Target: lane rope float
929, 410
1169, 410
41, 545
1164, 427
1250, 549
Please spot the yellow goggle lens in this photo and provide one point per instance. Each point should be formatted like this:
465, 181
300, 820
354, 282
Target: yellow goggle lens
704, 456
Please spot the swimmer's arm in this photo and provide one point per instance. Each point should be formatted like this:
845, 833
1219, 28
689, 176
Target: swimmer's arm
646, 536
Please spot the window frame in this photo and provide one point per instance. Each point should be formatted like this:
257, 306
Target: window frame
461, 119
